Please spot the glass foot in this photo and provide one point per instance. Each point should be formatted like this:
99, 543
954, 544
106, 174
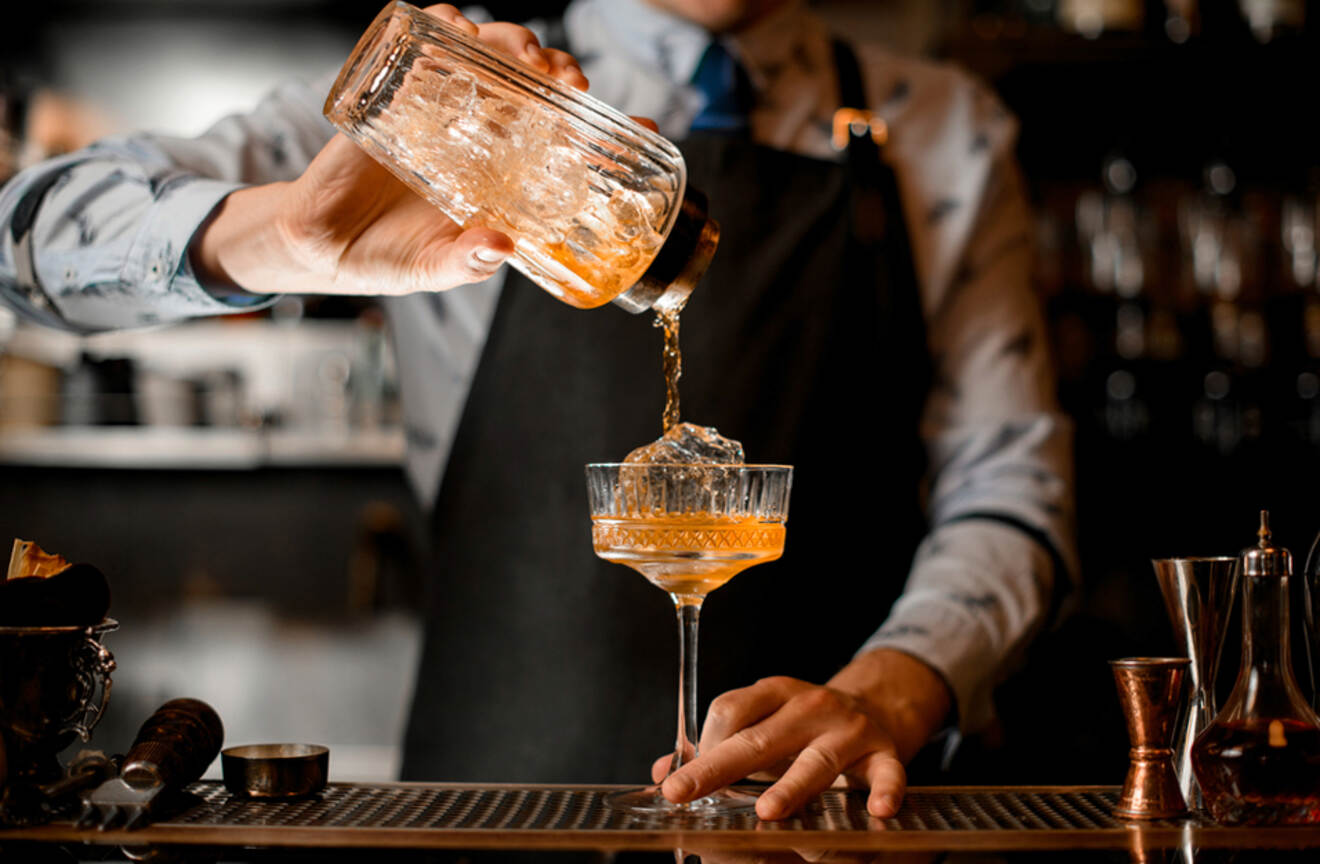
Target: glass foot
649, 801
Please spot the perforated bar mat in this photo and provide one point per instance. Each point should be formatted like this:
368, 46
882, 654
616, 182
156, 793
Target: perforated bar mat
567, 809
435, 815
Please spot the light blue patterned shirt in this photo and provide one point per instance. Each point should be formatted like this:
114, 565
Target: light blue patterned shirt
98, 239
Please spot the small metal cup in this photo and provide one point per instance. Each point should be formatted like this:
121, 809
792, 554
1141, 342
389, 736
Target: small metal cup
275, 770
1150, 690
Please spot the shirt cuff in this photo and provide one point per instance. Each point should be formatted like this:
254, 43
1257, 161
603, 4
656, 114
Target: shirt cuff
159, 260
978, 592
229, 295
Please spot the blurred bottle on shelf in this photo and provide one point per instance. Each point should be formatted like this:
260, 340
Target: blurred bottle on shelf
1182, 20
1092, 18
29, 393
1038, 12
1270, 19
1221, 258
1116, 238
369, 376
1307, 422
221, 399
1298, 229
167, 400
1217, 417
1298, 241
1176, 20
99, 391
10, 118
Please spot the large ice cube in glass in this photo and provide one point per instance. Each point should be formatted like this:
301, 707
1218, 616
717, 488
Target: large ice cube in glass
688, 443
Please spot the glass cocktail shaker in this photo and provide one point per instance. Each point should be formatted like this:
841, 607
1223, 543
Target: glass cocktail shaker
597, 205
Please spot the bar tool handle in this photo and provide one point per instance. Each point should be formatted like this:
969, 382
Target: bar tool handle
94, 664
175, 745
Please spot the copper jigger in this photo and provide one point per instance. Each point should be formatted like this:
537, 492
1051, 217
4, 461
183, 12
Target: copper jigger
1150, 689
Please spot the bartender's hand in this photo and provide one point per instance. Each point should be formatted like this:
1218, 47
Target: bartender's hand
347, 226
857, 730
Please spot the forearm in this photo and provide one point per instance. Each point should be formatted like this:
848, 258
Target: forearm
96, 241
999, 555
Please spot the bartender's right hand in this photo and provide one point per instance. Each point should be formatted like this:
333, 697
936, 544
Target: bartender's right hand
856, 730
348, 226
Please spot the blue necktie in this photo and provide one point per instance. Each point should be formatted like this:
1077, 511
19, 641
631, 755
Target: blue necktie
727, 91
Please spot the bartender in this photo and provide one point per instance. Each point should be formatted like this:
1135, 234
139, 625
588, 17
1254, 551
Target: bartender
867, 318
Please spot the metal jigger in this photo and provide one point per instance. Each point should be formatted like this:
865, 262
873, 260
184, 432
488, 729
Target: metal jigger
1198, 593
1150, 689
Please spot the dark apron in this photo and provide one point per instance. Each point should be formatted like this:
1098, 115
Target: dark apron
805, 341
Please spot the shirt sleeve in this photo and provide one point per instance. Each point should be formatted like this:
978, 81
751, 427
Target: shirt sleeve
999, 554
99, 239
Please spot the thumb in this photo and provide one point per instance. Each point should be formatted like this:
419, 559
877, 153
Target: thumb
340, 159
473, 256
660, 767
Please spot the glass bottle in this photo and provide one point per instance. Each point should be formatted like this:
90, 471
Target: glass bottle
1258, 762
597, 205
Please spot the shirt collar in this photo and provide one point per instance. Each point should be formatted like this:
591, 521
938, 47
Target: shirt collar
672, 46
767, 46
657, 40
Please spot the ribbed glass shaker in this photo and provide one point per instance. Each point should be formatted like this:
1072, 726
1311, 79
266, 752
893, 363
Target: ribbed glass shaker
596, 204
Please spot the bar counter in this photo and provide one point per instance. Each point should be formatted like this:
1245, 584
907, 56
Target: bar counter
445, 816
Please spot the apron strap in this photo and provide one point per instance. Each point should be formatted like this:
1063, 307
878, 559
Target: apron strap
874, 187
852, 91
879, 228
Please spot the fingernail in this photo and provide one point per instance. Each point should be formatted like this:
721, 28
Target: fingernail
535, 54
488, 256
459, 20
885, 806
681, 786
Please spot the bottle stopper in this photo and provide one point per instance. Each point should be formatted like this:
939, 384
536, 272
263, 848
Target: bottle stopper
1266, 559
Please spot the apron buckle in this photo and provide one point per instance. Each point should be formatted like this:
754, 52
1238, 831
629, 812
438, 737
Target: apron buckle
858, 121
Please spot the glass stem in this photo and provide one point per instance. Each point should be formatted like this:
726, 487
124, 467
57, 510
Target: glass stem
689, 615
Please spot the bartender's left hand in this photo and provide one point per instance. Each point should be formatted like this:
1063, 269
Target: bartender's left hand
857, 730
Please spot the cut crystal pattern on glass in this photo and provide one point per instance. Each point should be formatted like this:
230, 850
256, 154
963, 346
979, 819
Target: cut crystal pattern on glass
713, 538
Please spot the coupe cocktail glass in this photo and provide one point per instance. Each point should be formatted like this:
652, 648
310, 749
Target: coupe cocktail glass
688, 528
